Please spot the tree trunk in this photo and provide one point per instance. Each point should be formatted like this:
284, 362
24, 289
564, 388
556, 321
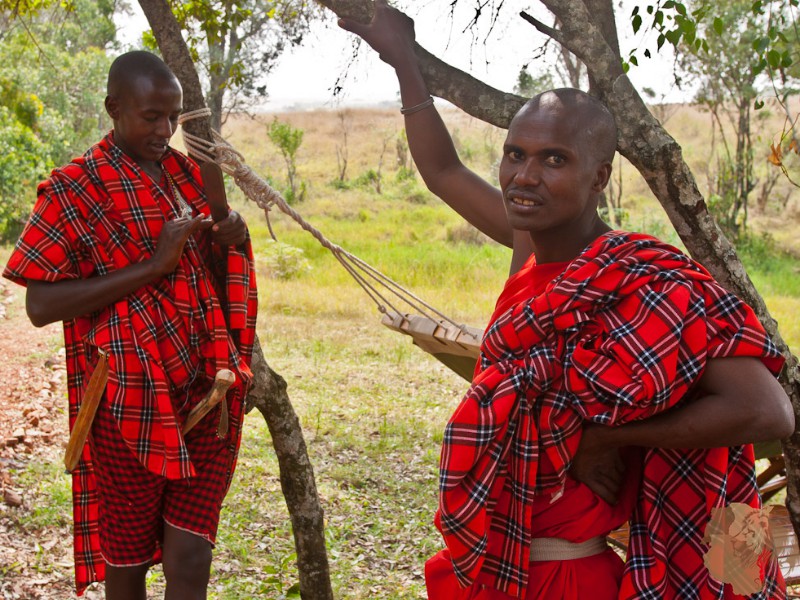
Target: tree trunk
216, 88
297, 478
644, 142
603, 15
268, 392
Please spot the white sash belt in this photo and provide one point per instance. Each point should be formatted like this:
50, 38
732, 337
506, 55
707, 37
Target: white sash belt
557, 549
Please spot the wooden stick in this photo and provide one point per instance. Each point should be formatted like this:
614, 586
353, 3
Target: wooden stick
87, 411
222, 382
214, 184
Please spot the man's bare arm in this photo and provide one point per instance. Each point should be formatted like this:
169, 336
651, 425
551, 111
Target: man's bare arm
64, 300
740, 402
391, 34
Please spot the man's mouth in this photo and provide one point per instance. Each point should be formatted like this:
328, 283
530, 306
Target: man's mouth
523, 199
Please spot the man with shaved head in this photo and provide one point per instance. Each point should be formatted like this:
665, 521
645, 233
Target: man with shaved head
119, 248
617, 380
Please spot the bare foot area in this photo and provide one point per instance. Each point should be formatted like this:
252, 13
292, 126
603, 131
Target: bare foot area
35, 528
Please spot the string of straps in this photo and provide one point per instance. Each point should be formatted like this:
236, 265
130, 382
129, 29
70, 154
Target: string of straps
256, 189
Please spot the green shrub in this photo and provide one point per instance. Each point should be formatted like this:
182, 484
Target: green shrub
758, 250
405, 174
23, 163
367, 179
283, 261
288, 140
340, 184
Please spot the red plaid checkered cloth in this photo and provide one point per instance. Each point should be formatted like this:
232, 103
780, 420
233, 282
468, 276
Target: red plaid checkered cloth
621, 335
101, 213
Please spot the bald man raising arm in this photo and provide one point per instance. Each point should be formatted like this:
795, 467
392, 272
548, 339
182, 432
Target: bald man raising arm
615, 375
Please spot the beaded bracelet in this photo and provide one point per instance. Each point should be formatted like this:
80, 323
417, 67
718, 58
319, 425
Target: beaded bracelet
417, 107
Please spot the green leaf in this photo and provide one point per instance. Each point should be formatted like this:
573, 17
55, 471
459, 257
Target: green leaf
637, 23
625, 66
673, 37
658, 19
668, 4
718, 25
647, 53
680, 9
758, 104
761, 44
149, 40
635, 11
661, 40
634, 61
687, 25
774, 58
293, 592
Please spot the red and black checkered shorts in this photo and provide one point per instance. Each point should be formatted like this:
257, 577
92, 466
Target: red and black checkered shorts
134, 504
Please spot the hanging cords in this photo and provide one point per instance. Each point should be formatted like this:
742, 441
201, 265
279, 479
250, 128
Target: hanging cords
259, 191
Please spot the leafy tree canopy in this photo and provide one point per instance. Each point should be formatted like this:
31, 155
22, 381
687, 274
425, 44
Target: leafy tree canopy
236, 43
774, 39
53, 66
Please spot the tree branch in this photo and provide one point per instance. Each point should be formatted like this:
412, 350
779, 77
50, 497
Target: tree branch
545, 29
468, 93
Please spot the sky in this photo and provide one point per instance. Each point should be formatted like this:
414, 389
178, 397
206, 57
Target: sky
306, 75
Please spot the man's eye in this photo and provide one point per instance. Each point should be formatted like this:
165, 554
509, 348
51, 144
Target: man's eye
515, 155
555, 159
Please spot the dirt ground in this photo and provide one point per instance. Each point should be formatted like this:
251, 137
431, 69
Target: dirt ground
35, 554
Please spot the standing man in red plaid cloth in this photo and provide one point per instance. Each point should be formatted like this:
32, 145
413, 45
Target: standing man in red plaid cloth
568, 429
118, 247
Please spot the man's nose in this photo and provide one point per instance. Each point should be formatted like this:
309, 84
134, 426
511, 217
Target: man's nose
528, 173
165, 128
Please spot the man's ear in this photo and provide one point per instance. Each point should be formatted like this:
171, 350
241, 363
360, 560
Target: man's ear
602, 175
112, 107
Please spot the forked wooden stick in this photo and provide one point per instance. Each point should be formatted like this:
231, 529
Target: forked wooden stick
222, 382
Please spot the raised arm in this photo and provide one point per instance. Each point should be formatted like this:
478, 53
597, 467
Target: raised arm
47, 302
391, 34
739, 402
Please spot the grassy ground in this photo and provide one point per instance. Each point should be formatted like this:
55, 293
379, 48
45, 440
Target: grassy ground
371, 405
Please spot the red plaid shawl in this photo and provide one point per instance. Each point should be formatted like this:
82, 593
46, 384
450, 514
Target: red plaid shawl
99, 214
621, 335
